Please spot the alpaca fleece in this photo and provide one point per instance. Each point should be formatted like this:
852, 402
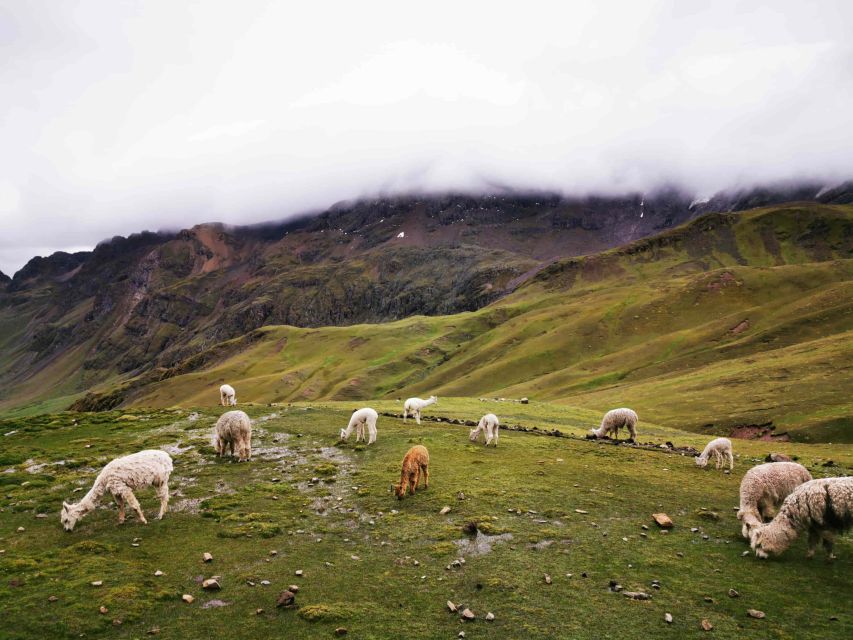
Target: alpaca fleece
233, 431
821, 507
721, 449
489, 426
413, 407
149, 468
360, 419
415, 463
614, 420
227, 396
764, 488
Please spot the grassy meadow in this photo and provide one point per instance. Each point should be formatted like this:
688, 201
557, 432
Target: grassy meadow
381, 568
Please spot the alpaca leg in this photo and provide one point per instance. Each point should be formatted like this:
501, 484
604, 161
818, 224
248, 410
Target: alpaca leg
231, 448
426, 476
133, 503
405, 415
731, 461
120, 502
416, 479
163, 494
371, 428
418, 416
828, 542
496, 438
814, 539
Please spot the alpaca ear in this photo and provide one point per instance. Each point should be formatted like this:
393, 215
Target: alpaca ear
65, 506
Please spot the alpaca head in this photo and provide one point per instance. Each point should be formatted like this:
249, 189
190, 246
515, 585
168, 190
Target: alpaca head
433, 399
398, 491
69, 516
344, 435
767, 540
472, 435
701, 461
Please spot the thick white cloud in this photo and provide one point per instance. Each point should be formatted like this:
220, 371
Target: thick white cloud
120, 116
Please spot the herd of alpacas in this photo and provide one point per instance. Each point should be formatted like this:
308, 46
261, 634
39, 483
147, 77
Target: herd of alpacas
779, 500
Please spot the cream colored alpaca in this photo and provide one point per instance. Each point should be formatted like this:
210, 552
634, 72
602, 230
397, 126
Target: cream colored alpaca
233, 431
721, 449
120, 477
488, 425
227, 396
822, 507
614, 420
413, 407
361, 418
764, 488
415, 463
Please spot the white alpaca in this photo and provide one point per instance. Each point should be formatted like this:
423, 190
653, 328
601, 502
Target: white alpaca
413, 407
233, 431
490, 426
822, 507
720, 448
614, 420
359, 419
227, 396
764, 488
120, 477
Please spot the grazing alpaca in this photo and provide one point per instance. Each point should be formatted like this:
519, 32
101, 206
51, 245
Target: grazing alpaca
227, 396
614, 420
233, 430
359, 419
490, 426
822, 507
413, 407
415, 462
764, 488
719, 448
120, 477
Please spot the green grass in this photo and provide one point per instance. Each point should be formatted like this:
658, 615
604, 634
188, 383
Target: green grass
242, 512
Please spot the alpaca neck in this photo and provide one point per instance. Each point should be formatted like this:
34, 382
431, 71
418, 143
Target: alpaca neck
90, 500
426, 403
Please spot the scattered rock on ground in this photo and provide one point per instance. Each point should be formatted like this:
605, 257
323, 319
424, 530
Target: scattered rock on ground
299, 572
444, 511
211, 584
103, 609
636, 595
733, 593
755, 613
663, 520
206, 557
187, 598
158, 573
97, 583
285, 599
52, 599
668, 618
467, 614
706, 625
490, 616
547, 579
451, 606
341, 631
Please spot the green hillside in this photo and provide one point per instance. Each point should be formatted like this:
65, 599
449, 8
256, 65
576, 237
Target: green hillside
575, 510
731, 320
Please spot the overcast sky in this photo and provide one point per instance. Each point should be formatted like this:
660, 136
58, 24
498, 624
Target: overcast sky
118, 116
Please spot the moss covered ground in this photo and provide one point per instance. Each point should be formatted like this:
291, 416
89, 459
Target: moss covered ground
561, 506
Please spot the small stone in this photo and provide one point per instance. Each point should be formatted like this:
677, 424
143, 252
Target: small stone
461, 634
258, 612
21, 529
444, 511
694, 529
97, 583
706, 624
833, 618
294, 588
490, 616
460, 496
547, 579
636, 595
467, 614
663, 520
581, 511
187, 598
265, 583
158, 573
285, 599
643, 534
667, 618
615, 586
644, 527
709, 599
341, 631
451, 607
755, 613
206, 557
733, 593
705, 536
299, 572
153, 631
117, 622
273, 552
103, 609
52, 599
211, 584
680, 554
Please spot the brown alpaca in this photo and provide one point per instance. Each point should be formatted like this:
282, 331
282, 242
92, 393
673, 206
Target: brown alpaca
415, 462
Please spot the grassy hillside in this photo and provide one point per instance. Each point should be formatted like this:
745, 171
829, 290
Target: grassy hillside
753, 329
731, 320
378, 566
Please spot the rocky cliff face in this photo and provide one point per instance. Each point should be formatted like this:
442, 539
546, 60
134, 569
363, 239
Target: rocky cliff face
152, 300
